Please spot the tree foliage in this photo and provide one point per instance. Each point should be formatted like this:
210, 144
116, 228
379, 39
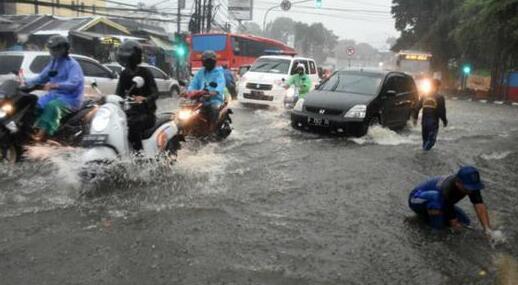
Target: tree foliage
483, 33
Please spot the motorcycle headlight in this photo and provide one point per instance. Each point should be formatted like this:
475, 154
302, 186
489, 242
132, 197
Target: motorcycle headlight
299, 105
357, 112
101, 120
290, 92
426, 86
5, 110
185, 115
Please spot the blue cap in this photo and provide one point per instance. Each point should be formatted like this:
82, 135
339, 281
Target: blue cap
470, 178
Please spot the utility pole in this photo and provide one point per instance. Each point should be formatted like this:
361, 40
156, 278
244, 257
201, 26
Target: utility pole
209, 16
36, 7
178, 18
204, 16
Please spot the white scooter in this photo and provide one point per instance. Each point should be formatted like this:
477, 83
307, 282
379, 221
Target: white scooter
291, 98
108, 138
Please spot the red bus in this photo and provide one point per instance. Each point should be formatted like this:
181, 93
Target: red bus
233, 50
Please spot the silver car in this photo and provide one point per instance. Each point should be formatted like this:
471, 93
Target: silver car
166, 85
31, 63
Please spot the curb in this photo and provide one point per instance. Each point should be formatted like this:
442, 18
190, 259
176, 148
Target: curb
483, 101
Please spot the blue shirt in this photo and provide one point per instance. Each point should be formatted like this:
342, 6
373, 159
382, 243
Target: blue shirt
203, 78
69, 79
229, 78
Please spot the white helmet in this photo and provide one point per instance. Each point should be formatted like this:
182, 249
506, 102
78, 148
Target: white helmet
300, 65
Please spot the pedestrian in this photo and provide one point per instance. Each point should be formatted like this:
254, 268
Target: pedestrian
434, 108
434, 200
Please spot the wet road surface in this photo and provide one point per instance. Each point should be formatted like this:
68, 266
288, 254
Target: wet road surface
270, 205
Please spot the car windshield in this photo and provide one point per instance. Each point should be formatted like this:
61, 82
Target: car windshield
10, 63
271, 65
353, 82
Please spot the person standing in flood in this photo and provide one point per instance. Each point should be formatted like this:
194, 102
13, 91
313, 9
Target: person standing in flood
434, 109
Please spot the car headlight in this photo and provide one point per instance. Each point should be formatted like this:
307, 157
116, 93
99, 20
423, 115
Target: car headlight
299, 105
101, 120
358, 112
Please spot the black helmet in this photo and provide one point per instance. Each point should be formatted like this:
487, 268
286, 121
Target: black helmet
56, 42
208, 58
129, 53
208, 55
58, 46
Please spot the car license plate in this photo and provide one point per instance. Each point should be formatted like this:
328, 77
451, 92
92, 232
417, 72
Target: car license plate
256, 93
318, 121
94, 140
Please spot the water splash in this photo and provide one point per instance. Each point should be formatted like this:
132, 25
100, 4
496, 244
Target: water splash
496, 155
383, 136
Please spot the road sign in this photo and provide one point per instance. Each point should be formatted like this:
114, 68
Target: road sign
286, 5
350, 51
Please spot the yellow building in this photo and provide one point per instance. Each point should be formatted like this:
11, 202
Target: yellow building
69, 8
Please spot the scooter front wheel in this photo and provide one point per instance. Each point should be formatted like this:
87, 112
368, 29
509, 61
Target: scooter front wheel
10, 153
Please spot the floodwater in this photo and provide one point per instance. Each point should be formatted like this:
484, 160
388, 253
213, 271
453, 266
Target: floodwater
270, 205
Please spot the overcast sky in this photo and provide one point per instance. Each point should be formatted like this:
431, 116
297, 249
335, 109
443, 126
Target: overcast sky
361, 20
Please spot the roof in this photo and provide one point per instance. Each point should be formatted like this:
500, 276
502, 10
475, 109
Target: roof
59, 25
134, 26
23, 24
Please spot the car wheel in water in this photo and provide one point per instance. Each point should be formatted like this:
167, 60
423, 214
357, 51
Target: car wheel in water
364, 128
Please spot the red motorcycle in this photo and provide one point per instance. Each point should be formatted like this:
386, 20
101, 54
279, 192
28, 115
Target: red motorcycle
192, 121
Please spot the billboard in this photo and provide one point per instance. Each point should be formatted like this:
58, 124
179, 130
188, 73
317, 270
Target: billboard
241, 9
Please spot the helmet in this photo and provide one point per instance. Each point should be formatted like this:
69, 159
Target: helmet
301, 66
58, 46
209, 59
129, 54
208, 55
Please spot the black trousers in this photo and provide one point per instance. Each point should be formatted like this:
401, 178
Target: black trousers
138, 123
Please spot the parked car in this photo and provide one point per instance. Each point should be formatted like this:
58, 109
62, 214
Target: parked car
263, 83
166, 85
31, 63
352, 101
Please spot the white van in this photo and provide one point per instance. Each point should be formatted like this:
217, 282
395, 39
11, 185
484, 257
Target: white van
263, 83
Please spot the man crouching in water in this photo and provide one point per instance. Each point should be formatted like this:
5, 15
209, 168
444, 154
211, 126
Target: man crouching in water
434, 200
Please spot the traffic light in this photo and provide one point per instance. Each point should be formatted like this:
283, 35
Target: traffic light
180, 46
466, 69
318, 3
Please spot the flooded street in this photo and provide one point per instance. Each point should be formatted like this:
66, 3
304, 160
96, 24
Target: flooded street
270, 205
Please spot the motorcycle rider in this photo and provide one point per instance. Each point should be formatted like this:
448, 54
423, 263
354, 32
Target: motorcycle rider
64, 80
141, 115
204, 80
300, 80
434, 108
230, 82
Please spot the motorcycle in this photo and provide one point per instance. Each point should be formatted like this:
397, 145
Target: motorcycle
291, 98
108, 140
18, 110
192, 121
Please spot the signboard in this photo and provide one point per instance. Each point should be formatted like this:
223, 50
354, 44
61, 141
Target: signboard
421, 57
350, 51
241, 9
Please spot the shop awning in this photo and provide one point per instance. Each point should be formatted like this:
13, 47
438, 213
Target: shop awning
167, 46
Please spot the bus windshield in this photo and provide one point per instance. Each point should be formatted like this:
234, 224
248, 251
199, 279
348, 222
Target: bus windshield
201, 43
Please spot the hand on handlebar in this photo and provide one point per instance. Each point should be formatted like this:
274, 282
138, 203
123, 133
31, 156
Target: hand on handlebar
50, 86
138, 99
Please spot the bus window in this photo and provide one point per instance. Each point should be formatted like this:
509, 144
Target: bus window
202, 43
